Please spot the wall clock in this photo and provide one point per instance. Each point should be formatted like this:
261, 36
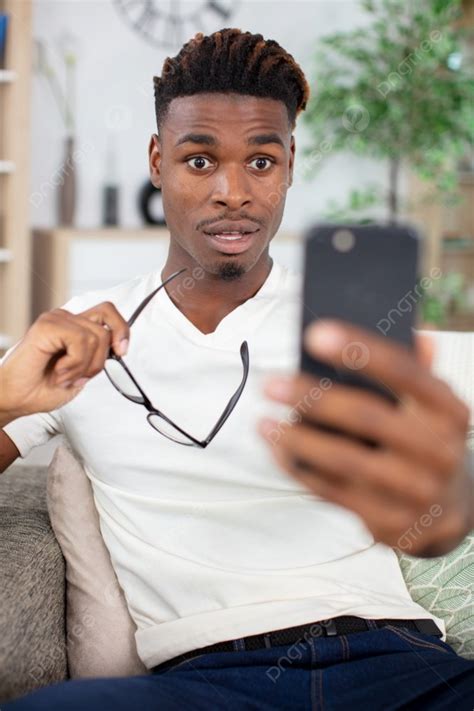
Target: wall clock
170, 23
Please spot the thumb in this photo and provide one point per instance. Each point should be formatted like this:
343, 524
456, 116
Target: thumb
425, 349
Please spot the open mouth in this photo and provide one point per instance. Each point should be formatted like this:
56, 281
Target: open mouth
229, 236
231, 242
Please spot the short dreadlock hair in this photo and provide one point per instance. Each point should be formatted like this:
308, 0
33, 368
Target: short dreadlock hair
232, 61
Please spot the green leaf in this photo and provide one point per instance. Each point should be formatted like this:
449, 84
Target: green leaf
395, 68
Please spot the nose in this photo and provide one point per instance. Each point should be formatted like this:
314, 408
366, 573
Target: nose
231, 188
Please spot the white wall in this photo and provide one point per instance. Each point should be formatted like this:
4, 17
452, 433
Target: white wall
114, 88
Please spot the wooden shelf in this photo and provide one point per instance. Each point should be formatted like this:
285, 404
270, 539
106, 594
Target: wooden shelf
15, 238
435, 219
95, 233
7, 166
130, 233
7, 76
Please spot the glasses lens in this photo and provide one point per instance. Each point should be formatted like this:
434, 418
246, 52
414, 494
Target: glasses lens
122, 381
167, 430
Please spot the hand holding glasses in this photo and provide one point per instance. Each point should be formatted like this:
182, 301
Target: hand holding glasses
123, 380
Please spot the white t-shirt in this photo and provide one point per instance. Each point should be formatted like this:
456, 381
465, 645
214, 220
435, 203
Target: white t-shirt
214, 544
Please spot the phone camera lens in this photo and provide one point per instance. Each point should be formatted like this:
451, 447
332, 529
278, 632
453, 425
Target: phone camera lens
343, 240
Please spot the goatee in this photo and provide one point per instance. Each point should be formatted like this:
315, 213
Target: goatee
230, 271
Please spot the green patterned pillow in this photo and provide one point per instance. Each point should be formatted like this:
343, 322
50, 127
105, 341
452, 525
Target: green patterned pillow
445, 587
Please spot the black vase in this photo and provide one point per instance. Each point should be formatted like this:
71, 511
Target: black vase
66, 195
150, 204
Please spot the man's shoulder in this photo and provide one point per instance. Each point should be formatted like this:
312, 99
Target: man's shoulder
124, 295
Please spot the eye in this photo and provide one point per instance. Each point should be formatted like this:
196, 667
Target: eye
262, 164
198, 162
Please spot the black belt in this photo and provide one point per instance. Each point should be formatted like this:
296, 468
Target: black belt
292, 635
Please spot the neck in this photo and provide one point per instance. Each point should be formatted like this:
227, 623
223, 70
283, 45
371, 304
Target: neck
204, 298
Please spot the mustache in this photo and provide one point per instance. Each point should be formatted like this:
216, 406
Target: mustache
227, 216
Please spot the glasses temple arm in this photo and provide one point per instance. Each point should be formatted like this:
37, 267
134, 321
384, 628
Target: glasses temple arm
144, 303
244, 353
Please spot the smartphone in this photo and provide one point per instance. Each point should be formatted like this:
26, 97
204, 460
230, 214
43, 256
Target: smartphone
366, 275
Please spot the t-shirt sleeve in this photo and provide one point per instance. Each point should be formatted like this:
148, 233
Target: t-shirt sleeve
32, 431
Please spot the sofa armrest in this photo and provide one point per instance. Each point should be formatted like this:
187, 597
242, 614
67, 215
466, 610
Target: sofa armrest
32, 602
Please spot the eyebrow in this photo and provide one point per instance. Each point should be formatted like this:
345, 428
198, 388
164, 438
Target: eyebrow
208, 140
200, 138
265, 138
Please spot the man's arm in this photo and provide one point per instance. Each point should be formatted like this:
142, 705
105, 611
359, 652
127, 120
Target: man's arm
51, 364
8, 452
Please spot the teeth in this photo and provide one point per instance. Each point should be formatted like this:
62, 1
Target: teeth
227, 237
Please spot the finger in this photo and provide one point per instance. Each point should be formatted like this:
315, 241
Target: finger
339, 460
63, 364
71, 390
410, 430
76, 346
106, 314
390, 364
388, 521
55, 336
104, 338
99, 350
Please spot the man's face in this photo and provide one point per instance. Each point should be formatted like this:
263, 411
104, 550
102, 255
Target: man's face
224, 163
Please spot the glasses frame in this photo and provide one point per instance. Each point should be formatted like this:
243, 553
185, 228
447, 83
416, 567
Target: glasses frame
145, 400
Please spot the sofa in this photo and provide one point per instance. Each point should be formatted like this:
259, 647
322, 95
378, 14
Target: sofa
32, 586
32, 568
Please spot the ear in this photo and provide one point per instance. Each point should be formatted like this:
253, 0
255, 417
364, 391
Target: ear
154, 157
291, 164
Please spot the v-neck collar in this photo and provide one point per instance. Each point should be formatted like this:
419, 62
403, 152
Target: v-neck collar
230, 329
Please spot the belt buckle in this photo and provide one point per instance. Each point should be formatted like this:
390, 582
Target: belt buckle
428, 626
330, 627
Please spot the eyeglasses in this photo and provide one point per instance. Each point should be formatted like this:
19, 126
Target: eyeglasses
123, 380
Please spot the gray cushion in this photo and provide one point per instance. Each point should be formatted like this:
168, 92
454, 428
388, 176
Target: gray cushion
32, 587
24, 488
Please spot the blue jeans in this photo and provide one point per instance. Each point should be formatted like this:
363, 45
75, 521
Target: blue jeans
379, 670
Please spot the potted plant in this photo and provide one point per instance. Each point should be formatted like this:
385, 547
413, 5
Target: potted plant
396, 90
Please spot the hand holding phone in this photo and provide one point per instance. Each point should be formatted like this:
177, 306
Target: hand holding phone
414, 422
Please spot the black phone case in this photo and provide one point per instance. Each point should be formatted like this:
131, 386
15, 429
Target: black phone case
372, 284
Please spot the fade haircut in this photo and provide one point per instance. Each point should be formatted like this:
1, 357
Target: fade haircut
232, 61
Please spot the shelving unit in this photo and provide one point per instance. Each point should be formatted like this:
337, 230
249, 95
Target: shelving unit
449, 239
7, 166
15, 250
6, 76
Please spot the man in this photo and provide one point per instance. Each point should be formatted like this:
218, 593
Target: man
216, 547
